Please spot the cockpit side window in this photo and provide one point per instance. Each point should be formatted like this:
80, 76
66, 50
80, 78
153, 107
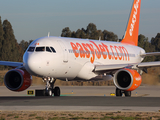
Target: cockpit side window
31, 49
48, 49
53, 49
40, 49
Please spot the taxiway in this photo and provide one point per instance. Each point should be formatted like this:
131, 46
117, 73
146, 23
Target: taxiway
82, 98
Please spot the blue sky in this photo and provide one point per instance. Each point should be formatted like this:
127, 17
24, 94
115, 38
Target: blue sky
32, 19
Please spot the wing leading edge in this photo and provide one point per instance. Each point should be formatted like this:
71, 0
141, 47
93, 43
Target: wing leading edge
113, 68
11, 64
150, 54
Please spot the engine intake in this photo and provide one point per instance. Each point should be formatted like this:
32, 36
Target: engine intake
127, 79
17, 80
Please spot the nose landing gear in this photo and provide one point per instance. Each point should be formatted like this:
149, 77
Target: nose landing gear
50, 89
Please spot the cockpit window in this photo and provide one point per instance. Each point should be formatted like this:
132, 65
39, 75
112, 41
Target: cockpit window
53, 49
40, 49
31, 49
48, 49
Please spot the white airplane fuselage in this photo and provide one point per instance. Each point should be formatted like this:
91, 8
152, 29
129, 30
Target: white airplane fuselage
75, 58
63, 58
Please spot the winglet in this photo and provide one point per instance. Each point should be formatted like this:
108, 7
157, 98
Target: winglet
131, 33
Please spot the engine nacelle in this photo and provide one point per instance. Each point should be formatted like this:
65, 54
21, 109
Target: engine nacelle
127, 79
17, 80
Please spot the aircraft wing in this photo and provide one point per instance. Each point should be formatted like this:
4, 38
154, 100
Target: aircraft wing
113, 68
150, 54
148, 64
11, 64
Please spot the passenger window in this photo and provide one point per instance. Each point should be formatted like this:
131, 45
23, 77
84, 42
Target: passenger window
48, 49
53, 49
31, 49
40, 49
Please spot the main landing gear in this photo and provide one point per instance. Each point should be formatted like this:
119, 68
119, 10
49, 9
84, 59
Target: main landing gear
50, 89
120, 92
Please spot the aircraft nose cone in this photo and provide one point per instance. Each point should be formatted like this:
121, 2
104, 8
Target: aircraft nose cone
33, 64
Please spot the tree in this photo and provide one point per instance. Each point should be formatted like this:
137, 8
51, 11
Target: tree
66, 32
156, 43
147, 46
24, 45
1, 37
10, 48
91, 31
80, 34
109, 36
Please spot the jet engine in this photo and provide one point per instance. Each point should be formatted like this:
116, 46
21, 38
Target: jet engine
17, 80
127, 79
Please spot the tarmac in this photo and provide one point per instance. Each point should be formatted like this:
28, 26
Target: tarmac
82, 98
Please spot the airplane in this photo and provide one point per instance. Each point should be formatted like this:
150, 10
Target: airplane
74, 59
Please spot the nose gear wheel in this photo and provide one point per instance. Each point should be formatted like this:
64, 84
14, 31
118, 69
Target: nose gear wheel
50, 89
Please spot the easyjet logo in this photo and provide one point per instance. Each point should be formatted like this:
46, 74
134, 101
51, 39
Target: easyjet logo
138, 79
91, 50
134, 17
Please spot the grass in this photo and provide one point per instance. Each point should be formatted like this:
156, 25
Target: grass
81, 116
16, 116
32, 115
9, 115
2, 118
119, 118
70, 115
58, 118
109, 113
39, 118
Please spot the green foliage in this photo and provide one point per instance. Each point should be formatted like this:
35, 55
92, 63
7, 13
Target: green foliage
156, 43
16, 116
39, 118
147, 46
11, 51
66, 32
91, 32
24, 45
1, 35
109, 36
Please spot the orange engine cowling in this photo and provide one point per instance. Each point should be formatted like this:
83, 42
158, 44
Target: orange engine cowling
17, 80
127, 79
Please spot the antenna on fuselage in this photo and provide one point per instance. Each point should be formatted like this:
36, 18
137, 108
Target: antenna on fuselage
99, 38
48, 34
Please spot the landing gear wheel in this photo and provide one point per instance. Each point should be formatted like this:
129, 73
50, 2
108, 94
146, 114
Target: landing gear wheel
118, 92
50, 89
57, 91
127, 93
48, 92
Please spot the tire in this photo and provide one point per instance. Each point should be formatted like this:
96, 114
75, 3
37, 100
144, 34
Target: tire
118, 92
57, 91
48, 92
127, 93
